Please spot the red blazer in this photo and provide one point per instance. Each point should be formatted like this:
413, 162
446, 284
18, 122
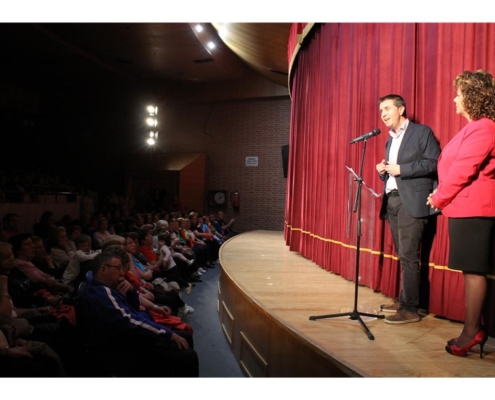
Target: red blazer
466, 172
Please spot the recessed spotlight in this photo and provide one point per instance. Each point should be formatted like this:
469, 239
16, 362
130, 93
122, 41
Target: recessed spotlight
211, 45
151, 141
198, 28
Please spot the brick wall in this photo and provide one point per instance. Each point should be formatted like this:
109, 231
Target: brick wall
228, 132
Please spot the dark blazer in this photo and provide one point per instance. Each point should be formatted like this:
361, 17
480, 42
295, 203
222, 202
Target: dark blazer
418, 156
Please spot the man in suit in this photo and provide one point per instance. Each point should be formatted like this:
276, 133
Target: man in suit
409, 172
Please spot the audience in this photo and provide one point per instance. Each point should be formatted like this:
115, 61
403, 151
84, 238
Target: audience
158, 259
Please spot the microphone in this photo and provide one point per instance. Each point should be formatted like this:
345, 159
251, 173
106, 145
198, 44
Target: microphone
366, 136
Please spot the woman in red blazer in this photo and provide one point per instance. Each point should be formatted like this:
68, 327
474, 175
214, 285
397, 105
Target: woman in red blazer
466, 194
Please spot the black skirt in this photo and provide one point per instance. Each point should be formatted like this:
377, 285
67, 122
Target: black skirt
472, 243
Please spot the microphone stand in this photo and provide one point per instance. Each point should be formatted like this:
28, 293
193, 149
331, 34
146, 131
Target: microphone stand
355, 314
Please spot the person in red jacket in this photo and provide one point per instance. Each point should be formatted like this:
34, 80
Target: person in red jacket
466, 195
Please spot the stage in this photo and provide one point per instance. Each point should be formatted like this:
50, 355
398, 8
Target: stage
267, 294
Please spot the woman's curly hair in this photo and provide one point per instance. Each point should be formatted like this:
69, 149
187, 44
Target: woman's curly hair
478, 90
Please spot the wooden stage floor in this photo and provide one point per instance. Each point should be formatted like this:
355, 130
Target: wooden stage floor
290, 289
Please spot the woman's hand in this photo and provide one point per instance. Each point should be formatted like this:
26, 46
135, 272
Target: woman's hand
163, 310
429, 201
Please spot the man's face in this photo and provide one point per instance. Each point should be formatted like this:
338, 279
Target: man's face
391, 114
220, 216
112, 272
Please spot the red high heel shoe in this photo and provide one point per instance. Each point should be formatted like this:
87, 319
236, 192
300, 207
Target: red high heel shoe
480, 338
454, 340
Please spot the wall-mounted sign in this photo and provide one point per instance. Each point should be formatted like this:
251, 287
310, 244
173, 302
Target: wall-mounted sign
251, 161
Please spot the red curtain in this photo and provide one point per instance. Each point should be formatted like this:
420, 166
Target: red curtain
340, 72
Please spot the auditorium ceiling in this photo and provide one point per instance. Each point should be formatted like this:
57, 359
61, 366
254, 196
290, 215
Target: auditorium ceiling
70, 53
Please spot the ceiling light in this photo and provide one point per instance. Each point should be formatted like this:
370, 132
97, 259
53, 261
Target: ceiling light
198, 28
211, 45
152, 110
152, 122
151, 141
152, 134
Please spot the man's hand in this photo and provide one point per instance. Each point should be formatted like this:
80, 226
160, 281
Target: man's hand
124, 286
179, 341
392, 169
381, 167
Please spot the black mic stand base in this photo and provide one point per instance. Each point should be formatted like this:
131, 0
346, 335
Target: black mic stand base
354, 315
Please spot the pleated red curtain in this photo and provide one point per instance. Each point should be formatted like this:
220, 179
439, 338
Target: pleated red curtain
340, 72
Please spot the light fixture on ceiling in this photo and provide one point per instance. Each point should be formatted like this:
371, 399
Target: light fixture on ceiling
211, 45
198, 28
152, 122
152, 111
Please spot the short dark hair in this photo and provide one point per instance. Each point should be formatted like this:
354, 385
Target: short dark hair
142, 233
398, 101
16, 241
119, 252
100, 259
80, 239
165, 237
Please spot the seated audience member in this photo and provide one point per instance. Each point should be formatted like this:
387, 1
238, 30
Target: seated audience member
160, 227
167, 264
59, 248
42, 260
137, 259
101, 234
10, 227
212, 245
73, 274
225, 228
180, 250
45, 226
146, 246
208, 227
156, 351
23, 247
199, 248
73, 231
